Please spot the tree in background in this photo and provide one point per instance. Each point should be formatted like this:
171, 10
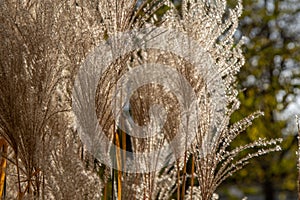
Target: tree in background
268, 82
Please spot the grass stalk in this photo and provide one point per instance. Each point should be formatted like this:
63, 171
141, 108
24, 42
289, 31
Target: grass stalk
184, 176
3, 166
119, 166
178, 181
192, 177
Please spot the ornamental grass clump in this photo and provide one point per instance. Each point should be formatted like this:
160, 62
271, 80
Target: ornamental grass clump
120, 99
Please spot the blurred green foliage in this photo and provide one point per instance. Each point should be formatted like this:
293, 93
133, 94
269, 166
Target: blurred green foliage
267, 83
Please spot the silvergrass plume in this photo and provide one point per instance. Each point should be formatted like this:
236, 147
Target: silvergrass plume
43, 46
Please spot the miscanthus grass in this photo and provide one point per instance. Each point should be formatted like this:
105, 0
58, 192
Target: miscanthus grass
43, 44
